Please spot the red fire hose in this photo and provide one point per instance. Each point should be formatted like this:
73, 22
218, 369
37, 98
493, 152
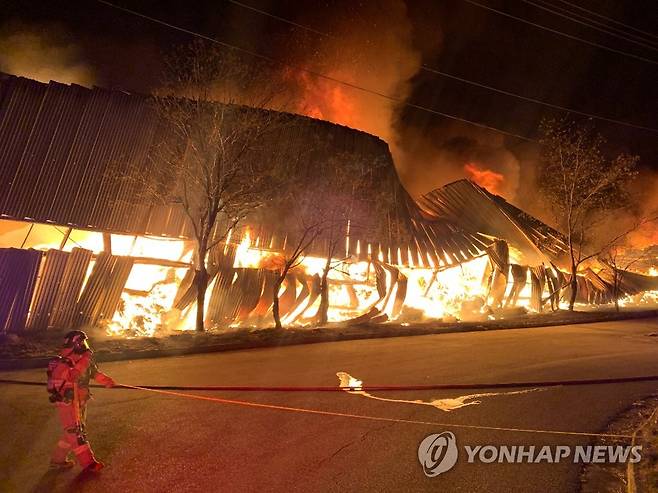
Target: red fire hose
380, 388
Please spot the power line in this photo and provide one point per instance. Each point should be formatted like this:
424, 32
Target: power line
610, 19
590, 25
282, 19
460, 79
603, 24
538, 101
312, 72
560, 33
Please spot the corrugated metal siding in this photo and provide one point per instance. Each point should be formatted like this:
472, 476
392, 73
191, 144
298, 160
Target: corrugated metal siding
18, 275
56, 143
48, 284
470, 212
65, 306
101, 295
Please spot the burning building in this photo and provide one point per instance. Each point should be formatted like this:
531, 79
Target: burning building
75, 251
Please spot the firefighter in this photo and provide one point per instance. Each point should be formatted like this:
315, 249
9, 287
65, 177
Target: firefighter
68, 383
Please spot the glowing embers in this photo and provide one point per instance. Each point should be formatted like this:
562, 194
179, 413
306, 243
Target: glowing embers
147, 299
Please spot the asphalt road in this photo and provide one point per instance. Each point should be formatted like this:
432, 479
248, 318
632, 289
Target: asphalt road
152, 442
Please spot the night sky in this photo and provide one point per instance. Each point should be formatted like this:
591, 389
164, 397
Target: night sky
380, 45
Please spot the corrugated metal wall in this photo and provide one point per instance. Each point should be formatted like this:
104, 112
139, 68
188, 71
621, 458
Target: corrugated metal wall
41, 290
56, 142
18, 275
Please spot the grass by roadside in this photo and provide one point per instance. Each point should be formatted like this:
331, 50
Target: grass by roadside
33, 350
646, 472
641, 420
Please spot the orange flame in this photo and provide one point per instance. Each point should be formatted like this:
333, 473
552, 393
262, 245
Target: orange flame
323, 99
486, 178
645, 236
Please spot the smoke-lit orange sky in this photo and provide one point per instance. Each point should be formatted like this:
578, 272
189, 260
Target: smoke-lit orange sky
379, 45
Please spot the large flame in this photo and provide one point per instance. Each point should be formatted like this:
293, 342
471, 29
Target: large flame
486, 178
146, 301
426, 289
324, 99
247, 255
148, 296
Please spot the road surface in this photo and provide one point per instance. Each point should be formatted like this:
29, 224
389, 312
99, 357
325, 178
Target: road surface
159, 443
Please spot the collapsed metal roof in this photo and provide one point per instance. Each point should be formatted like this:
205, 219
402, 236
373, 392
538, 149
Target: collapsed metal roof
488, 216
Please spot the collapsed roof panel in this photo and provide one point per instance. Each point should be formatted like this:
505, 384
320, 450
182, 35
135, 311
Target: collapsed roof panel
475, 215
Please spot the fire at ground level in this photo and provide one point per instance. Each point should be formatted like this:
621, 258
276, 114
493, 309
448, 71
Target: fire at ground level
143, 287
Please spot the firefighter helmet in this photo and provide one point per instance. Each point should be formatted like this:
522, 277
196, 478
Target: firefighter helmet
77, 340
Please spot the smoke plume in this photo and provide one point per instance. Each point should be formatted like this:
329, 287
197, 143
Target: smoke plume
374, 48
371, 48
42, 54
430, 158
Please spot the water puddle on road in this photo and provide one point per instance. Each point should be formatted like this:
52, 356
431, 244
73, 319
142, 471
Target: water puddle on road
449, 404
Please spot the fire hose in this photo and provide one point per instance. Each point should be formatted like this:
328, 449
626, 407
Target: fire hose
171, 391
379, 388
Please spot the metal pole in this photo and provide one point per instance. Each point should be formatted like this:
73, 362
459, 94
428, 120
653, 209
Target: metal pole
65, 239
28, 234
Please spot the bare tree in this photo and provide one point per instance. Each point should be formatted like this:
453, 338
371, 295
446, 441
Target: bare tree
348, 194
356, 197
619, 257
304, 224
581, 186
210, 159
613, 258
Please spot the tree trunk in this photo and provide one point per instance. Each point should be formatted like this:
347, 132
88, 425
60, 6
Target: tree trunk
201, 282
275, 301
574, 287
323, 311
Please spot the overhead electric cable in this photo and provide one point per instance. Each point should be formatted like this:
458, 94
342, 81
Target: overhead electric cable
606, 25
461, 79
538, 101
561, 33
610, 19
312, 72
590, 25
282, 19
